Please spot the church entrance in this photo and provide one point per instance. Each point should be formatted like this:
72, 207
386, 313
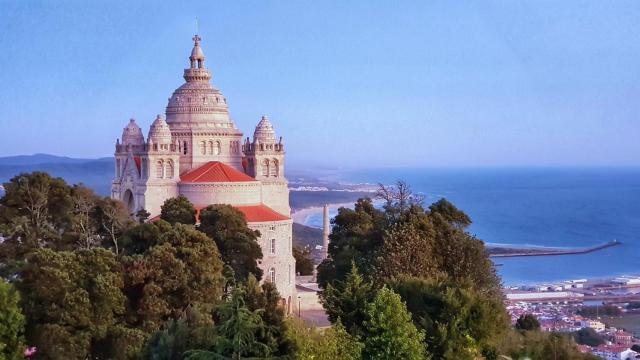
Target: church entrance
129, 201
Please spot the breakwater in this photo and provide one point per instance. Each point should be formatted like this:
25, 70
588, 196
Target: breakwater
515, 252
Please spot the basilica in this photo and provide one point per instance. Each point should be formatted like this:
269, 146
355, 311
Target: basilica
197, 151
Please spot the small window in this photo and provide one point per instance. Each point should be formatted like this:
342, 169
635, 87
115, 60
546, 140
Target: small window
272, 228
217, 148
203, 148
184, 148
160, 169
272, 248
265, 168
272, 275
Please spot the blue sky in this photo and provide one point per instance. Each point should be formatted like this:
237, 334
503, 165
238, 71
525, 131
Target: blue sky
347, 83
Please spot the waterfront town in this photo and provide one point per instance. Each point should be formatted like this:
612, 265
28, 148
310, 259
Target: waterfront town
609, 307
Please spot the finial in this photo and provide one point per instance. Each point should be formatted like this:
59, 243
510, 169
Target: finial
196, 39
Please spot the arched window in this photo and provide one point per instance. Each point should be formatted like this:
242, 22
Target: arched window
274, 168
168, 173
265, 167
217, 148
203, 148
159, 169
272, 246
210, 147
272, 275
184, 148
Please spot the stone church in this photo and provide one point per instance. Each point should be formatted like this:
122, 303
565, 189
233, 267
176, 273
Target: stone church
198, 152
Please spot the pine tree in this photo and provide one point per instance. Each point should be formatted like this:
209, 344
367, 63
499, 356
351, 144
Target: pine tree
390, 331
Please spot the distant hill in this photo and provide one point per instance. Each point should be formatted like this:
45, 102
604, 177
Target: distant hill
42, 159
94, 173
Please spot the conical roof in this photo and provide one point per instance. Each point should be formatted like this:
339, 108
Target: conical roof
264, 132
132, 134
159, 132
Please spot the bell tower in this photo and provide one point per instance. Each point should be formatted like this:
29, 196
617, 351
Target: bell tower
264, 160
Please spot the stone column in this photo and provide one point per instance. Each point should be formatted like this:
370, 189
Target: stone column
326, 230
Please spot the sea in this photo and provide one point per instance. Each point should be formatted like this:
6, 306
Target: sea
547, 207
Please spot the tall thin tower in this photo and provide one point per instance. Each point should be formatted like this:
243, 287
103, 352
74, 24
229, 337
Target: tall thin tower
326, 229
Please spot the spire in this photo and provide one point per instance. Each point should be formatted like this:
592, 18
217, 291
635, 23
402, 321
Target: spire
197, 71
197, 56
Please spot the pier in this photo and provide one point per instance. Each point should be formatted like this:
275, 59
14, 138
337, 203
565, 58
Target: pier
514, 252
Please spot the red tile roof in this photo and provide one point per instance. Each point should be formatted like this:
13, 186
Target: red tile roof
260, 213
215, 171
252, 213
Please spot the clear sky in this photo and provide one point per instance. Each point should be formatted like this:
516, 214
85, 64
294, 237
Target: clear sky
348, 83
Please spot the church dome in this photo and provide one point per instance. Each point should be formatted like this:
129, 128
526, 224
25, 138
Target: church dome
132, 134
264, 131
159, 132
197, 103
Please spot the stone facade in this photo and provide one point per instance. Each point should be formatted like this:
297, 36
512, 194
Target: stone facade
198, 137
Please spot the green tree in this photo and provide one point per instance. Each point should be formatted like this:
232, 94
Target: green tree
390, 333
11, 323
193, 330
237, 330
311, 344
142, 215
528, 322
461, 322
237, 243
355, 235
588, 336
450, 213
184, 269
304, 262
73, 303
266, 299
178, 210
347, 300
406, 251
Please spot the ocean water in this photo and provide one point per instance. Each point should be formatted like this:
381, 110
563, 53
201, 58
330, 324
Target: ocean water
573, 207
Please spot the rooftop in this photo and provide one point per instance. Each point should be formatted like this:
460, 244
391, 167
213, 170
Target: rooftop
215, 171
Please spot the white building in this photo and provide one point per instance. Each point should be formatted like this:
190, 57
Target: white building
614, 352
198, 152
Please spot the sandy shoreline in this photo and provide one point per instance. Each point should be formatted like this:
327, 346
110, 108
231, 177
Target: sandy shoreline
300, 216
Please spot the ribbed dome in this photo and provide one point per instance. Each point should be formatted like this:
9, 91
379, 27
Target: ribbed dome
132, 134
197, 103
159, 132
264, 131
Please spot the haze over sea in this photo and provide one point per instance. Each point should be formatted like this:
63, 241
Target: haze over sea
554, 207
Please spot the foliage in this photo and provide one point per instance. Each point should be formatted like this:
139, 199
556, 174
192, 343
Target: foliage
355, 234
304, 262
192, 330
347, 300
238, 245
182, 270
450, 213
266, 299
390, 333
588, 336
73, 302
542, 346
11, 323
311, 344
528, 322
237, 331
406, 249
178, 210
404, 239
600, 310
460, 321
